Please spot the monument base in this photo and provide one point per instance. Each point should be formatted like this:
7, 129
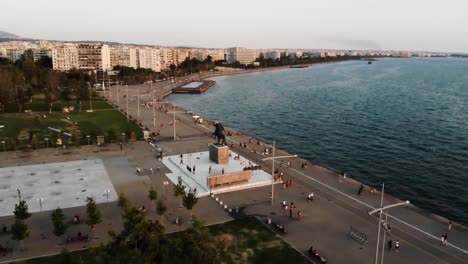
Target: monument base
219, 154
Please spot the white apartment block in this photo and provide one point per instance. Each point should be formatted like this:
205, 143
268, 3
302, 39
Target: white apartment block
242, 55
94, 57
65, 57
16, 55
149, 58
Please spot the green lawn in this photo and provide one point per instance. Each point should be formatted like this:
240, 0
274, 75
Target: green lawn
32, 128
38, 104
248, 240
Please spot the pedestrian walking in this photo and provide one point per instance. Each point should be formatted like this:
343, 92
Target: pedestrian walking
445, 240
121, 146
157, 168
151, 170
222, 171
292, 205
360, 189
299, 216
390, 244
450, 226
397, 245
181, 159
283, 203
310, 198
290, 212
442, 238
193, 169
138, 170
209, 169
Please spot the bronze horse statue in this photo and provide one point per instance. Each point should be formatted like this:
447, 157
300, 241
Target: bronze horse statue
219, 133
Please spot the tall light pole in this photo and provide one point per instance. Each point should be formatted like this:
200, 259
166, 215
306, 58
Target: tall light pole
273, 170
174, 120
380, 210
126, 97
138, 100
154, 114
90, 102
118, 87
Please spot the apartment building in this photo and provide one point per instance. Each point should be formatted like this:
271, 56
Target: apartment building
274, 55
36, 54
94, 57
242, 55
65, 57
123, 56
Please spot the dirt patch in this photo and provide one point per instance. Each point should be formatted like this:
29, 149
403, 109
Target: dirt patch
271, 244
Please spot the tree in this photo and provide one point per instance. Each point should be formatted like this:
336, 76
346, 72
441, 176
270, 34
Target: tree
6, 89
93, 215
190, 199
19, 230
23, 95
152, 195
51, 87
21, 211
179, 189
58, 218
160, 209
81, 91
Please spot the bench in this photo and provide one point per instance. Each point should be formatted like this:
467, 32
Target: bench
5, 250
316, 258
77, 238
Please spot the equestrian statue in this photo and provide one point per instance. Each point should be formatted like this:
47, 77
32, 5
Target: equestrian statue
219, 133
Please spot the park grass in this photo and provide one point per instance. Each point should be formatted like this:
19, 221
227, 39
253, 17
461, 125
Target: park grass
102, 122
248, 241
39, 104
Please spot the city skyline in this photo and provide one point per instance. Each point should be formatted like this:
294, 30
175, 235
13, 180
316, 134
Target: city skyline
363, 24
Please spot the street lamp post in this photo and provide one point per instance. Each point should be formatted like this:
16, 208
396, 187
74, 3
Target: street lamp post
88, 136
138, 100
126, 97
174, 120
123, 138
47, 142
273, 170
4, 143
380, 210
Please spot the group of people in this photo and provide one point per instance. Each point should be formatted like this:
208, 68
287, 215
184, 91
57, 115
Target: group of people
291, 207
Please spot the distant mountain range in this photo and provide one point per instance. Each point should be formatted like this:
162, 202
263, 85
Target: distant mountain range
6, 35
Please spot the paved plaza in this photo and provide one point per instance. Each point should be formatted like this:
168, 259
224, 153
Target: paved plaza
62, 184
202, 162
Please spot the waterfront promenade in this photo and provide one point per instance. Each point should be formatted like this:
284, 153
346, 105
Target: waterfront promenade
327, 220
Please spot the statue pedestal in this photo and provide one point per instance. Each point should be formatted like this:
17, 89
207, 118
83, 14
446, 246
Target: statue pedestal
219, 154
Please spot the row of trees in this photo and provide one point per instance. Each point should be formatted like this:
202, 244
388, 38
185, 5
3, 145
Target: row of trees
285, 60
21, 80
142, 240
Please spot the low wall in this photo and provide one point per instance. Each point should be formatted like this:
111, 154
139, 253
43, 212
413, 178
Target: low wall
229, 179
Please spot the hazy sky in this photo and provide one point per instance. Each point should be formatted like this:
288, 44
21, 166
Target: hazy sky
434, 25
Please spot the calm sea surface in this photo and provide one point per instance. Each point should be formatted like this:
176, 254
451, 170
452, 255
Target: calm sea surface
403, 122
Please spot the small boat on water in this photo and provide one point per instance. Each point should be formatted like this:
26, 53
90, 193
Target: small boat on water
298, 66
369, 62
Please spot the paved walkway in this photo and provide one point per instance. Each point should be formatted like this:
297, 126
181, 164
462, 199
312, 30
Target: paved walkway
327, 220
